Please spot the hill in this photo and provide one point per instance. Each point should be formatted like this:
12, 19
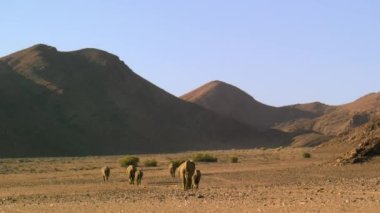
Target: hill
230, 101
355, 146
339, 119
307, 124
88, 102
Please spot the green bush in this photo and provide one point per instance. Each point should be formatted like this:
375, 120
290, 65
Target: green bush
204, 157
234, 159
150, 163
129, 160
306, 155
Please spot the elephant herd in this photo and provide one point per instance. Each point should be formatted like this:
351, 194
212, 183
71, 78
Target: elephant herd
132, 173
189, 176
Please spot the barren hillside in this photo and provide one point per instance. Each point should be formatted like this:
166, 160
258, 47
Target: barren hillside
309, 124
88, 102
339, 119
230, 101
358, 145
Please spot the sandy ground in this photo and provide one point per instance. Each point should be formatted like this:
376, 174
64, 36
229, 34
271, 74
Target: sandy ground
265, 180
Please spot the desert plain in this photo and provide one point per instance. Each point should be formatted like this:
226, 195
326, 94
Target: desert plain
264, 180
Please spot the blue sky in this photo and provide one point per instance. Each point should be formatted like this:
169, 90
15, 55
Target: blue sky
281, 52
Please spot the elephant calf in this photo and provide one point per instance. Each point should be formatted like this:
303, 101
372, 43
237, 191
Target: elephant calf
172, 168
196, 179
105, 172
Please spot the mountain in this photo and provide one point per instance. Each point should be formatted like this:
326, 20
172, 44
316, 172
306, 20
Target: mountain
339, 119
307, 124
88, 102
358, 145
368, 103
231, 101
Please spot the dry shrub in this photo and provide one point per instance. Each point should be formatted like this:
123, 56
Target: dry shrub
306, 155
204, 157
150, 163
129, 160
234, 159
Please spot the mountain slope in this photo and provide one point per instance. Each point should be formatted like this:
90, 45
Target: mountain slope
307, 124
230, 101
340, 118
355, 146
88, 102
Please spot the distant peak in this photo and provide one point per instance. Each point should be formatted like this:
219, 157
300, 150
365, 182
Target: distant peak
372, 94
218, 90
217, 83
97, 55
32, 52
42, 47
222, 87
43, 52
368, 97
211, 86
94, 52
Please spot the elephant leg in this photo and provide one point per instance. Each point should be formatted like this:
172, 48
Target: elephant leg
188, 182
184, 183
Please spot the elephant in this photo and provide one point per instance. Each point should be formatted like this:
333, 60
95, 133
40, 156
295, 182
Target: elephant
186, 172
196, 179
172, 168
131, 170
105, 172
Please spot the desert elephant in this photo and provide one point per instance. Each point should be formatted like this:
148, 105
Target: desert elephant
105, 172
172, 169
139, 176
131, 170
186, 172
196, 178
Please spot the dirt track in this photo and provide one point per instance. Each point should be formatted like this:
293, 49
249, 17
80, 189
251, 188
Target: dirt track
273, 180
